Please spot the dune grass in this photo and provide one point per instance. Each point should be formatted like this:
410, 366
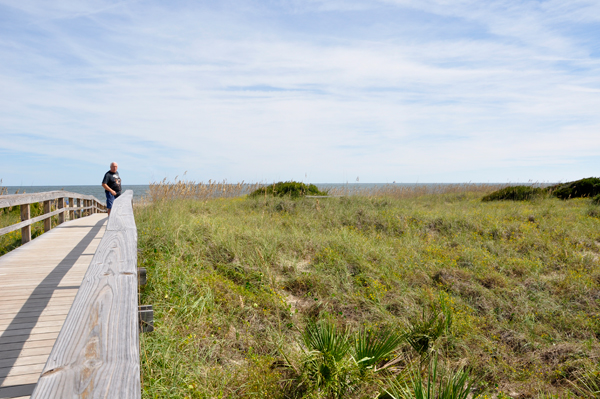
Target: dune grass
280, 298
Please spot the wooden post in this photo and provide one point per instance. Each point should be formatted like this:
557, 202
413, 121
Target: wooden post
48, 221
25, 231
79, 206
71, 205
146, 318
61, 205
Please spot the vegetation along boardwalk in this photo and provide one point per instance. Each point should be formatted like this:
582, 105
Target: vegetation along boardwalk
57, 317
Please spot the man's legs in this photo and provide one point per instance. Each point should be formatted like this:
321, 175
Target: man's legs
109, 201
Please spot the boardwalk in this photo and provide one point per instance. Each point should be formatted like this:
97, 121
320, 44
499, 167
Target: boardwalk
38, 282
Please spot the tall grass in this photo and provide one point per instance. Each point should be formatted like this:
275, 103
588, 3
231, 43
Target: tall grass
508, 290
399, 191
181, 189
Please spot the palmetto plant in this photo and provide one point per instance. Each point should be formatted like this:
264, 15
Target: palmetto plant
373, 349
336, 363
439, 384
326, 366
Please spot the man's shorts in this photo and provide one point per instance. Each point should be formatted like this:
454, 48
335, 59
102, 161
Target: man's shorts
109, 199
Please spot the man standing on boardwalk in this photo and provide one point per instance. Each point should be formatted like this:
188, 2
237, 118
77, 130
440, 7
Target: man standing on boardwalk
112, 185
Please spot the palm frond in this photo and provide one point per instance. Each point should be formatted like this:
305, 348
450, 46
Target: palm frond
325, 338
371, 347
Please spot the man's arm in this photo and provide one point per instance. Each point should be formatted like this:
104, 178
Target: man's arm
110, 190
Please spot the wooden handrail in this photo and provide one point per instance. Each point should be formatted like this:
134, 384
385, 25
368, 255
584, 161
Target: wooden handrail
91, 204
96, 354
21, 199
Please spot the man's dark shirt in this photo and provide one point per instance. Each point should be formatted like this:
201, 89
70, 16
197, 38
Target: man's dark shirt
112, 180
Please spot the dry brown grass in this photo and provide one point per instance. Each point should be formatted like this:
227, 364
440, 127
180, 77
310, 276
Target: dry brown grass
181, 189
413, 191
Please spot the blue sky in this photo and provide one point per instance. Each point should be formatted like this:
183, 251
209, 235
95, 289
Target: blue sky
319, 91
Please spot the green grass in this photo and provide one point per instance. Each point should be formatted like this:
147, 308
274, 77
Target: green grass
508, 290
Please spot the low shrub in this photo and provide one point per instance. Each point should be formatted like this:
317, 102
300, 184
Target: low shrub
288, 188
514, 193
596, 200
588, 187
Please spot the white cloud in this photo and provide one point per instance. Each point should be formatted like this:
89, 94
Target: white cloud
234, 95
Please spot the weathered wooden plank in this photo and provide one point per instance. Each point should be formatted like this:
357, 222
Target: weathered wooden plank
48, 221
29, 323
36, 300
48, 283
32, 325
20, 380
27, 308
20, 391
61, 205
21, 370
35, 330
97, 352
33, 313
32, 337
38, 316
41, 290
123, 210
26, 228
6, 324
18, 295
45, 217
29, 344
44, 350
23, 361
71, 209
19, 199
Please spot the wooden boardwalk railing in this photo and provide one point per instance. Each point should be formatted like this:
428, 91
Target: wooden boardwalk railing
90, 205
96, 354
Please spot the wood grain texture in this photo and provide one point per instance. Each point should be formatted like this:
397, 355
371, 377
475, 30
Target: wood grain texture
96, 354
20, 199
61, 205
47, 221
38, 282
25, 218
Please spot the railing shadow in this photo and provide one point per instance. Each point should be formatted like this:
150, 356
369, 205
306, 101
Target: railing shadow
33, 308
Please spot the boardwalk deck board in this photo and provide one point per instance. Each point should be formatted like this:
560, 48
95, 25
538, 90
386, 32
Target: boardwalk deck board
97, 352
38, 283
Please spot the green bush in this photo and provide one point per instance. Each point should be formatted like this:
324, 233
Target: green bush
588, 187
288, 188
596, 200
514, 193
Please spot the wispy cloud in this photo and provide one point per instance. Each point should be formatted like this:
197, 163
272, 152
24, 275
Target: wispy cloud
386, 90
